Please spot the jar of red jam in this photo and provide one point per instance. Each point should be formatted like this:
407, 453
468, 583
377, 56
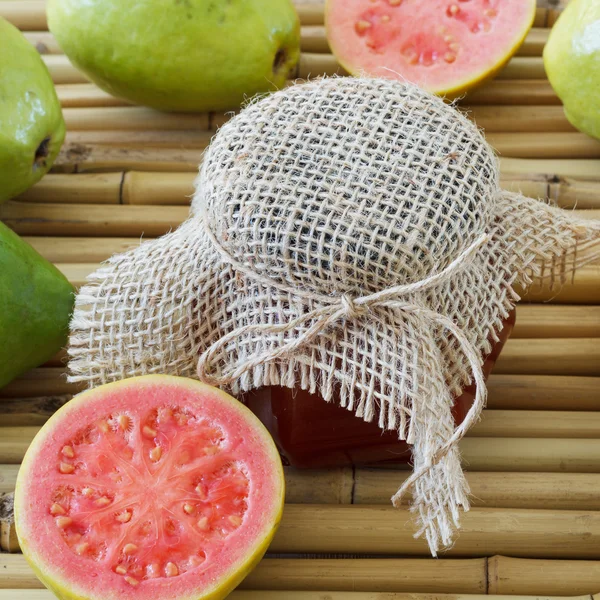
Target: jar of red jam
312, 433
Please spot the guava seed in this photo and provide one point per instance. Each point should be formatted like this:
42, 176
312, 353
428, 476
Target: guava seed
149, 432
124, 517
155, 453
120, 569
63, 522
132, 581
129, 548
171, 570
68, 452
66, 468
57, 509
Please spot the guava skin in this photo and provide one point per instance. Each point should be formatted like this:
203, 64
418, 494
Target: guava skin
36, 301
572, 61
33, 128
180, 55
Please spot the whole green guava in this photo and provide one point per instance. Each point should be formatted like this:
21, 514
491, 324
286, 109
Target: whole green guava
180, 55
572, 61
33, 128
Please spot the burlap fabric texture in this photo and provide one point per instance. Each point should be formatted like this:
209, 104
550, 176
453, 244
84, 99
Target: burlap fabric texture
347, 236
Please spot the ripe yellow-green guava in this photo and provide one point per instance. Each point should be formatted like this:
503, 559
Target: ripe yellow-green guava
33, 128
572, 61
180, 55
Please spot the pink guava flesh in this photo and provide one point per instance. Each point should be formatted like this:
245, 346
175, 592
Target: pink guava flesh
150, 488
440, 45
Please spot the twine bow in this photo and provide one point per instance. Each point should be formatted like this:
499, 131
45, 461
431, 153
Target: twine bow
344, 307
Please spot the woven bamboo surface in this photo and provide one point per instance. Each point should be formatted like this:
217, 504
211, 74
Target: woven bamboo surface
534, 460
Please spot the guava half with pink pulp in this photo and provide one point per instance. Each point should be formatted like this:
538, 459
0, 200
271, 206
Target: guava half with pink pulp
155, 487
444, 46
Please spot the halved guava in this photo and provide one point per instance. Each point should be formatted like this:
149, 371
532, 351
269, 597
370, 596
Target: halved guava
444, 46
155, 487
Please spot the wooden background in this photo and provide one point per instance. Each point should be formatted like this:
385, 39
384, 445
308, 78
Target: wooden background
534, 460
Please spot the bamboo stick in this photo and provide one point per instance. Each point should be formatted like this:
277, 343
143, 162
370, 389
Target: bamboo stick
92, 188
61, 69
559, 577
545, 145
576, 168
29, 411
380, 575
91, 220
531, 455
582, 289
484, 531
555, 491
538, 424
8, 479
25, 15
142, 187
516, 119
314, 39
85, 250
141, 139
83, 95
132, 118
571, 193
97, 158
40, 382
11, 594
505, 575
14, 443
550, 357
553, 321
157, 188
536, 92
543, 392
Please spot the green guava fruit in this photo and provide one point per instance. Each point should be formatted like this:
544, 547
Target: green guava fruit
33, 128
444, 46
150, 488
180, 55
572, 61
36, 302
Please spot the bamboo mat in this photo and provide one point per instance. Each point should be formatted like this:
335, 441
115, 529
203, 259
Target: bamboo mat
126, 173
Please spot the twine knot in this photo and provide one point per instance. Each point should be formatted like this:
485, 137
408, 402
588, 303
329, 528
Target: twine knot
350, 308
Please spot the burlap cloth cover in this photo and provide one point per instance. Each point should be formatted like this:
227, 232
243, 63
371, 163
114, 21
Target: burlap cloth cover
347, 236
